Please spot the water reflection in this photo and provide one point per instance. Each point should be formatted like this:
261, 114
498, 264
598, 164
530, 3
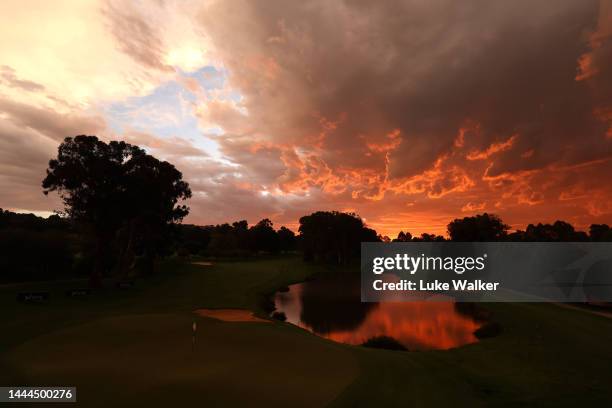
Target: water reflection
331, 308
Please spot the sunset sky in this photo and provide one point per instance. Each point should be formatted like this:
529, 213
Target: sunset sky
409, 113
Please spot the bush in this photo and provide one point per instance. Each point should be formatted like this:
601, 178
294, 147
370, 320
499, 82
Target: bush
280, 316
34, 255
384, 342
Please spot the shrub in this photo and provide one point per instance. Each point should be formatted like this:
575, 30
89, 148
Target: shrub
280, 316
384, 342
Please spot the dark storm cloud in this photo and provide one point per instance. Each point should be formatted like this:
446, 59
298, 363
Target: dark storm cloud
424, 68
424, 99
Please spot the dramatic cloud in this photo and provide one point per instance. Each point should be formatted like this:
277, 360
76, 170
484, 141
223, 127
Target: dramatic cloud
407, 112
431, 102
48, 122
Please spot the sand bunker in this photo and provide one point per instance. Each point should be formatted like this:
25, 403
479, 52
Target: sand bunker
230, 315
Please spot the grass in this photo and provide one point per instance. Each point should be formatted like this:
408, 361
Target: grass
133, 347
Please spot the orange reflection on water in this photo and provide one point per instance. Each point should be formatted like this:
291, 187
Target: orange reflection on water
418, 325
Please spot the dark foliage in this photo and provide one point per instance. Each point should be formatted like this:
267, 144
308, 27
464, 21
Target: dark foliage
286, 239
35, 248
559, 231
600, 232
236, 240
489, 227
384, 342
481, 227
193, 239
127, 197
263, 237
280, 316
425, 237
334, 237
403, 237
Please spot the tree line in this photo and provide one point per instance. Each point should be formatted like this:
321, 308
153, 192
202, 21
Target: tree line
33, 247
490, 228
235, 240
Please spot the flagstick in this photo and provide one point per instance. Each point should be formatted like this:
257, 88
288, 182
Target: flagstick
194, 328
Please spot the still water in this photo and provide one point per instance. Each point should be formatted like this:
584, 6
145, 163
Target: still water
331, 308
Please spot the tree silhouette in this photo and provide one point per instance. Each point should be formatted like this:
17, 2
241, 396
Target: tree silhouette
120, 192
425, 237
263, 237
333, 236
35, 248
559, 231
235, 240
241, 236
481, 227
193, 239
600, 232
286, 239
403, 237
152, 191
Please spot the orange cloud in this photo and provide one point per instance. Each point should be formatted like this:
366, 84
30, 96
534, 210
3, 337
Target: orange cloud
492, 149
324, 106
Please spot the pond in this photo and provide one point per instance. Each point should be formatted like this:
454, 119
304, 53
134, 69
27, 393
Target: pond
331, 308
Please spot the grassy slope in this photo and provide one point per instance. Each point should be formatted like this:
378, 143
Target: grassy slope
135, 346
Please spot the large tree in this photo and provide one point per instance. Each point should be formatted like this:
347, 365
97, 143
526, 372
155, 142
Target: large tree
264, 237
153, 189
118, 190
286, 239
481, 227
600, 232
333, 236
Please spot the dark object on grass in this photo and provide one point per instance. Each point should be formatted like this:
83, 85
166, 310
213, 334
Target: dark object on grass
279, 316
78, 292
267, 304
33, 297
487, 330
473, 310
384, 342
125, 285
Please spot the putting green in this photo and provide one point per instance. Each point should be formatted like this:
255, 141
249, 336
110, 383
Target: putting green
130, 359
